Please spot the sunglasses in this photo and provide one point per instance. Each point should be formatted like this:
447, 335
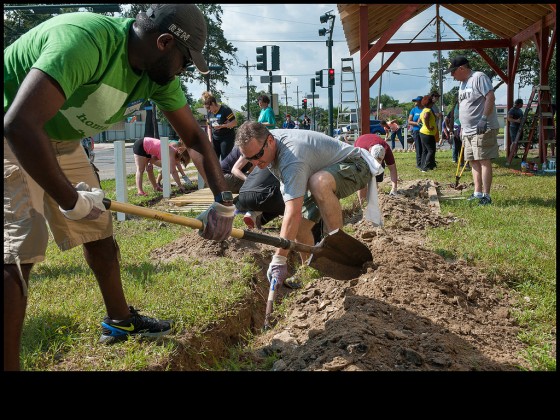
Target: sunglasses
260, 153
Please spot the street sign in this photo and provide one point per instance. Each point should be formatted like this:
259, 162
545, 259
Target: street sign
275, 79
315, 95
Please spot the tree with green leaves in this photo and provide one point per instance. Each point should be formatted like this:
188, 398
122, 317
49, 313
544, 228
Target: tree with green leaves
218, 52
527, 71
20, 20
386, 101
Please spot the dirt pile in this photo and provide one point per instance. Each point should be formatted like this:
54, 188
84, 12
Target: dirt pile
410, 309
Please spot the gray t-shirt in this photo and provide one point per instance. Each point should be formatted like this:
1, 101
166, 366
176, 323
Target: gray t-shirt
301, 153
472, 96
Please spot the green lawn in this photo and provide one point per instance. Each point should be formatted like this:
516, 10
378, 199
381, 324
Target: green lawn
514, 240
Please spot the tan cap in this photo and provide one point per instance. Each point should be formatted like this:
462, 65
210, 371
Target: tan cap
187, 24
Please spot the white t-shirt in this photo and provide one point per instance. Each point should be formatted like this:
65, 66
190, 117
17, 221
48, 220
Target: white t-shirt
472, 97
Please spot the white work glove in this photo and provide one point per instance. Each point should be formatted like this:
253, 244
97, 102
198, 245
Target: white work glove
217, 222
393, 192
277, 269
89, 205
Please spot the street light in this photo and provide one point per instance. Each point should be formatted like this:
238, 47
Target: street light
324, 18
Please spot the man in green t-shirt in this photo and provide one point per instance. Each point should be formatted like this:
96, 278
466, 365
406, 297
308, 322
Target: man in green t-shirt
71, 77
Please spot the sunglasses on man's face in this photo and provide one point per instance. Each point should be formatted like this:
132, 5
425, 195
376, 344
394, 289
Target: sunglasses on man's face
260, 153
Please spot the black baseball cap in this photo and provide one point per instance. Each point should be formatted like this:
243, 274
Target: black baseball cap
187, 24
456, 62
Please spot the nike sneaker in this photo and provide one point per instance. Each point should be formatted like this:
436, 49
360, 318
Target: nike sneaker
137, 324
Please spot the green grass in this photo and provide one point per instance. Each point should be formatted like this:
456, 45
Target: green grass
513, 240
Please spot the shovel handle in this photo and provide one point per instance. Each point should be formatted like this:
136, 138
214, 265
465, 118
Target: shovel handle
270, 302
160, 215
464, 166
149, 213
459, 161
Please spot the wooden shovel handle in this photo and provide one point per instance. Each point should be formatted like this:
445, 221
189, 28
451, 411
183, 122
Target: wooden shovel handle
160, 215
149, 213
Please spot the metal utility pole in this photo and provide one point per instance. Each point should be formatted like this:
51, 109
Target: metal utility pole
246, 66
313, 102
286, 92
324, 18
331, 118
379, 92
270, 89
297, 102
440, 72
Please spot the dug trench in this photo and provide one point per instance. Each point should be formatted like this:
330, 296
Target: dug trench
409, 310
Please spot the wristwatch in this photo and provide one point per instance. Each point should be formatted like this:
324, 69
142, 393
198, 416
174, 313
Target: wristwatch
225, 197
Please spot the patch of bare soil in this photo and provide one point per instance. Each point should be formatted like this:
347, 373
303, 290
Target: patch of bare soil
408, 310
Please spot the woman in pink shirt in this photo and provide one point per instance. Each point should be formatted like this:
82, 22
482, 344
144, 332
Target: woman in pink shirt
394, 129
147, 153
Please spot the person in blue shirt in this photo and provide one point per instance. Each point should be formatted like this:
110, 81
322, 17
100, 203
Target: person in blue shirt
266, 117
289, 123
413, 117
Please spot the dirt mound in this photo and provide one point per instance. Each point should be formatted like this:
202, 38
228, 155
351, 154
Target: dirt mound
409, 309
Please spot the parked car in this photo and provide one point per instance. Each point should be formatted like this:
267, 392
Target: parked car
88, 145
376, 128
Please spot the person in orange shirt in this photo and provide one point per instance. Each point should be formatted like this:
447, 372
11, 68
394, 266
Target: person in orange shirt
393, 129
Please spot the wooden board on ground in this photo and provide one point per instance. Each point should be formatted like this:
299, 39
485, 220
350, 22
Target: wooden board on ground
197, 201
434, 200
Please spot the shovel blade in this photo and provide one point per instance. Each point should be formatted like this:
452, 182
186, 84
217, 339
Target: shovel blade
340, 247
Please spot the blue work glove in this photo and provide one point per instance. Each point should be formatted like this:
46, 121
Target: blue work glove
277, 269
482, 125
89, 205
217, 222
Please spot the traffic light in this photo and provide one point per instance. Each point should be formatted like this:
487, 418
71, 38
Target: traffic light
275, 58
319, 78
262, 63
331, 77
304, 103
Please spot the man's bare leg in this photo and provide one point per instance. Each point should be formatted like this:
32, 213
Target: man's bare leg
15, 304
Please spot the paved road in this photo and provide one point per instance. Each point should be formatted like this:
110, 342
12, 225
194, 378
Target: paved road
105, 160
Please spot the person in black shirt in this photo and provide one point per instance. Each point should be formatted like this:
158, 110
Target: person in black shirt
236, 168
221, 125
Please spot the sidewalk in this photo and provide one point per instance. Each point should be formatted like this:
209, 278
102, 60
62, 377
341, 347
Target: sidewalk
109, 146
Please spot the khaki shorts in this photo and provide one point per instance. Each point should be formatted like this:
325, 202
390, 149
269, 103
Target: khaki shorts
481, 147
27, 209
350, 176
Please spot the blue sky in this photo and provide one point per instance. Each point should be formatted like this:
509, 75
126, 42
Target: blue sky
294, 28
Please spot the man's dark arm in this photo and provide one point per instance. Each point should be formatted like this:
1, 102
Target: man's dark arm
38, 100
